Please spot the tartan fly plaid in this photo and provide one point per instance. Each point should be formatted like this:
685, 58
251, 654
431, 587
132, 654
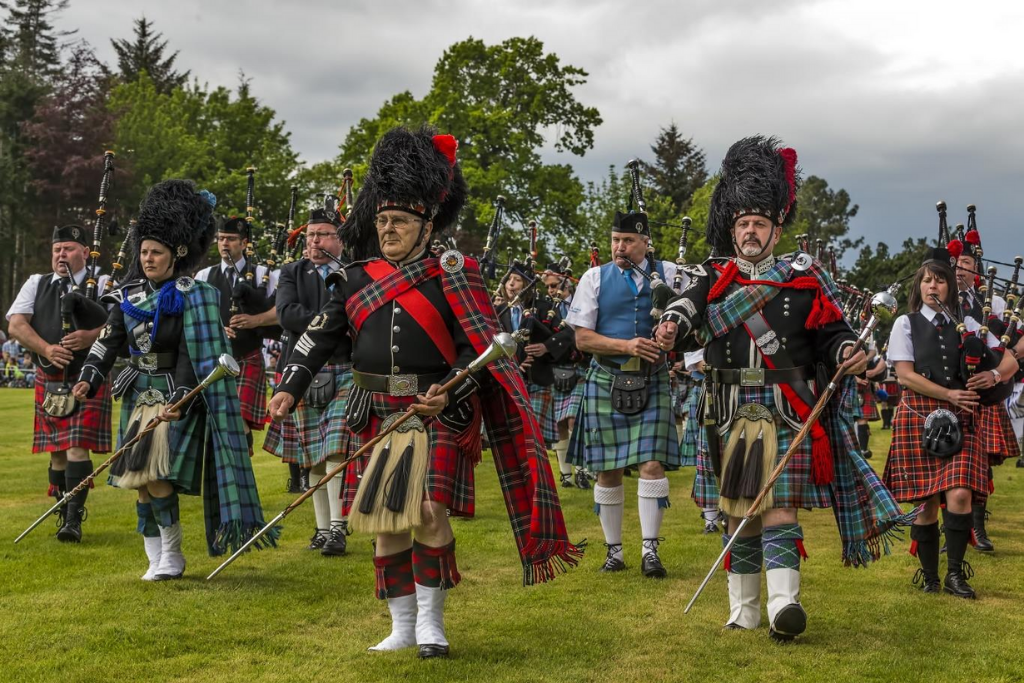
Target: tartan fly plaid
88, 427
603, 439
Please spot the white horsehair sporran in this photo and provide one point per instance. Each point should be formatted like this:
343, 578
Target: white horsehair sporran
747, 460
149, 460
390, 495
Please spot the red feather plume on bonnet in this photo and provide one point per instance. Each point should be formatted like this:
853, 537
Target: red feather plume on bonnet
955, 248
447, 145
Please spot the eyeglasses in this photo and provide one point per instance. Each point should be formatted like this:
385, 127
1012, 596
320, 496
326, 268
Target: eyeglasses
398, 222
310, 236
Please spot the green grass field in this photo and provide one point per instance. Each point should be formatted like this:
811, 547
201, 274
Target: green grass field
80, 613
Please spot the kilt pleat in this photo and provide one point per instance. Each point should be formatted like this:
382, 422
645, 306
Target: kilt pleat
911, 474
603, 439
88, 427
691, 430
868, 408
252, 389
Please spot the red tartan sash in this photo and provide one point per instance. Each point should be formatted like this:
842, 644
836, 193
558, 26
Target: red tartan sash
392, 284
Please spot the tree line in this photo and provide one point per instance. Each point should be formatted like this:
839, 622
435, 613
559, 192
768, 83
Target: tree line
61, 107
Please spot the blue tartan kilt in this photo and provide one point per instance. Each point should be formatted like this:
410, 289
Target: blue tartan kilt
691, 432
793, 489
543, 403
603, 439
186, 436
567, 403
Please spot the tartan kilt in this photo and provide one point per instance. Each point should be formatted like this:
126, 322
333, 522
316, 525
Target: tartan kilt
998, 440
567, 403
252, 389
542, 401
281, 441
691, 432
868, 408
893, 389
450, 471
793, 488
603, 439
187, 436
88, 427
911, 474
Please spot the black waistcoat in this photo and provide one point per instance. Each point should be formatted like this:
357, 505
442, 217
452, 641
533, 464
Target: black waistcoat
245, 341
46, 323
936, 353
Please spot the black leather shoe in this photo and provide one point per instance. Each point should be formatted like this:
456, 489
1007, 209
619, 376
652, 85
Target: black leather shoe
866, 454
1020, 461
928, 583
431, 651
71, 531
336, 542
611, 562
651, 566
981, 540
292, 486
956, 582
566, 481
790, 622
582, 479
318, 540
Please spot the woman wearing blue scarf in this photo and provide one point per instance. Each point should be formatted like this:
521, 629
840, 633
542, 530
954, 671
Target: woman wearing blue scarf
171, 327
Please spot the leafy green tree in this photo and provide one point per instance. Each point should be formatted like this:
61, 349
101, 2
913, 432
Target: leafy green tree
505, 103
825, 214
679, 168
146, 53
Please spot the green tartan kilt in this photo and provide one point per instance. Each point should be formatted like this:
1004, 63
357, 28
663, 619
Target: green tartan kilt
691, 432
322, 433
567, 403
793, 489
543, 404
603, 439
185, 435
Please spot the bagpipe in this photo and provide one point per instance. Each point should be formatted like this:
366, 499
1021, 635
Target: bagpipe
488, 264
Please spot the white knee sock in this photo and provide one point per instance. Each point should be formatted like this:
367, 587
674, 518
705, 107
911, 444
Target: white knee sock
609, 502
321, 502
561, 449
652, 499
334, 492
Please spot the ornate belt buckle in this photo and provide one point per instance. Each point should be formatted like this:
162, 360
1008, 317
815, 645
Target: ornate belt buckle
147, 362
151, 397
752, 377
403, 385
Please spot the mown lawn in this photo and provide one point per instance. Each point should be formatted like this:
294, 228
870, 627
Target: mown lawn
80, 613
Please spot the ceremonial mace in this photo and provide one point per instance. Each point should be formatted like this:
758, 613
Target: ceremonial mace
503, 346
883, 307
226, 366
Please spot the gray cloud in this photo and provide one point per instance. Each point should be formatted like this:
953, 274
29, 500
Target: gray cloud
721, 70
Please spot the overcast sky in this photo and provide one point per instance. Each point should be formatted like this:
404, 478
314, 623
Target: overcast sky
900, 102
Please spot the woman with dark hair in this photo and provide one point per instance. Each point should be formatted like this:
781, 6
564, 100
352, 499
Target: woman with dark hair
936, 453
171, 327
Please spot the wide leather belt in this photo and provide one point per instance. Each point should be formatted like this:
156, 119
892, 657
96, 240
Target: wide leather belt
760, 377
153, 362
396, 385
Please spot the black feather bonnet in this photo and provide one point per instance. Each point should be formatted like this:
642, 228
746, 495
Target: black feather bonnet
181, 218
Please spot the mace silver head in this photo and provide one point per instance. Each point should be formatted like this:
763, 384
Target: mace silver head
502, 346
884, 306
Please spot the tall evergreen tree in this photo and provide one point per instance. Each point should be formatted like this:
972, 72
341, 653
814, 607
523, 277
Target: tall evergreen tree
679, 167
146, 53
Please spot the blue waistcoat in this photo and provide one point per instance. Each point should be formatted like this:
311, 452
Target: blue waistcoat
620, 313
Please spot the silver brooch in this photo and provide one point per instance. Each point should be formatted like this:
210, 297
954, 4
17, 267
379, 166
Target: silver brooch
768, 343
184, 283
452, 261
181, 251
802, 261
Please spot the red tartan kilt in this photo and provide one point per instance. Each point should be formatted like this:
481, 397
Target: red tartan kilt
893, 389
450, 473
252, 389
913, 475
88, 427
998, 440
869, 407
